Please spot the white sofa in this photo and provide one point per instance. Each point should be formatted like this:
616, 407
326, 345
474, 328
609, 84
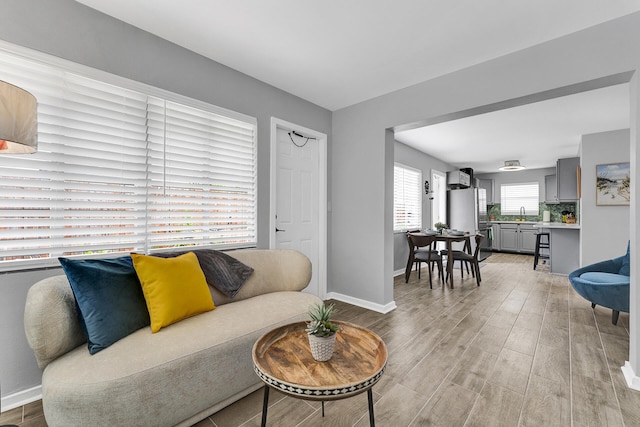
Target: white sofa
178, 376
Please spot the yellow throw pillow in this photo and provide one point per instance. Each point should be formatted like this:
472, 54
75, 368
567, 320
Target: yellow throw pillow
174, 288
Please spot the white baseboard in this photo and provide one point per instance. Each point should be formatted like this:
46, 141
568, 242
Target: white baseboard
21, 398
633, 381
384, 309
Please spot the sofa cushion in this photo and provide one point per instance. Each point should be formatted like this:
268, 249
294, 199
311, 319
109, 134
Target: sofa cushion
222, 271
162, 379
109, 298
174, 288
626, 263
598, 277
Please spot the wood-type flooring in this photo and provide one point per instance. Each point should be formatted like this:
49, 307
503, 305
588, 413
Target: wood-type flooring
523, 349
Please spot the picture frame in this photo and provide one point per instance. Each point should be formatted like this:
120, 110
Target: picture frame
613, 184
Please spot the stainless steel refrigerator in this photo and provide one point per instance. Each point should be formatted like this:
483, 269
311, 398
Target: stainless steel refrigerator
467, 211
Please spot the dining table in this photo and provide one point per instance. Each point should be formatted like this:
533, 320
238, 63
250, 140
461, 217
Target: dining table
450, 238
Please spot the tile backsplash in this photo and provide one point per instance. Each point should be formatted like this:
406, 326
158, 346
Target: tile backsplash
555, 211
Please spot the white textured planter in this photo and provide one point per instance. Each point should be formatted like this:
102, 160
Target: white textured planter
322, 347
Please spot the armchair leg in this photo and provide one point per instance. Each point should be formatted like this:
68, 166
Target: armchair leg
614, 316
593, 305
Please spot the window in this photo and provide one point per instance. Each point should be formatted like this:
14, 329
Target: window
515, 196
407, 198
122, 169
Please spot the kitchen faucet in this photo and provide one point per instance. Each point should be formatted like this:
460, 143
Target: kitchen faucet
523, 213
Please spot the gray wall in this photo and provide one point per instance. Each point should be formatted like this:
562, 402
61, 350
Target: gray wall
595, 53
411, 157
604, 230
526, 175
69, 30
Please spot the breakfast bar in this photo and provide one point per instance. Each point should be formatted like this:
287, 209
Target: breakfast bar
565, 245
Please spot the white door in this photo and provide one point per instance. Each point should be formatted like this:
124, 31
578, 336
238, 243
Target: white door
439, 202
299, 220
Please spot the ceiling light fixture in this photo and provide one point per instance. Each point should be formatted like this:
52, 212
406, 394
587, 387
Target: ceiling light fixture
512, 165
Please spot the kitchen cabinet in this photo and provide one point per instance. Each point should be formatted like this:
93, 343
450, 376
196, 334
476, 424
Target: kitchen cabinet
567, 179
550, 189
488, 185
527, 238
519, 238
509, 237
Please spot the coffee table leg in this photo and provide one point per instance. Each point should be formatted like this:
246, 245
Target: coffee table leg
372, 421
265, 406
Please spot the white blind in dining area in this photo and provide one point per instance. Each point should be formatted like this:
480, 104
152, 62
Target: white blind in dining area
407, 198
120, 170
515, 196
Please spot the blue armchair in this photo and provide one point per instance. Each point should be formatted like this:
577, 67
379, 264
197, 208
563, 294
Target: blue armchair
605, 283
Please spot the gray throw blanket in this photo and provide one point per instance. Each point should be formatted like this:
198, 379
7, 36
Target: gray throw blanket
222, 271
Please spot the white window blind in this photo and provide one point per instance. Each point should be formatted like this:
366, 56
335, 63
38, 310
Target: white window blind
515, 196
120, 170
202, 179
407, 198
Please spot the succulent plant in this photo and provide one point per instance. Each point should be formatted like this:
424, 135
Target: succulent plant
320, 324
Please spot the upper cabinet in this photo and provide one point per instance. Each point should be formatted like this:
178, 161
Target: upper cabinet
487, 184
567, 179
550, 189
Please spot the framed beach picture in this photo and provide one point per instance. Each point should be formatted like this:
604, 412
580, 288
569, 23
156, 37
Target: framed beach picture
612, 184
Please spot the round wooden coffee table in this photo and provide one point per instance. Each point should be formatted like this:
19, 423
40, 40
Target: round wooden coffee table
282, 359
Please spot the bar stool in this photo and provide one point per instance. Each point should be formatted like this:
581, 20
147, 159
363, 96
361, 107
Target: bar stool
542, 242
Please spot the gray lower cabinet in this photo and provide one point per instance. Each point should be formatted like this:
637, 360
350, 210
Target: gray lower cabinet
527, 238
509, 237
519, 238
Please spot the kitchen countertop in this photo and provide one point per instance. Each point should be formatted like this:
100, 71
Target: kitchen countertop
559, 225
536, 224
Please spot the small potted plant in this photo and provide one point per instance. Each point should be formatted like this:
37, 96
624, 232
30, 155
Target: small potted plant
440, 226
322, 333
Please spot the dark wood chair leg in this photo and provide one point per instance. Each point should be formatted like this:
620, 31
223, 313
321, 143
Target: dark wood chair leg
407, 270
614, 316
593, 305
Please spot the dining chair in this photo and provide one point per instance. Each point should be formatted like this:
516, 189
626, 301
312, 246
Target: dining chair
463, 262
433, 249
420, 250
465, 257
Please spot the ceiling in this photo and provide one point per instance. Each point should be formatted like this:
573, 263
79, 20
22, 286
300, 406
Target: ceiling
339, 53
536, 134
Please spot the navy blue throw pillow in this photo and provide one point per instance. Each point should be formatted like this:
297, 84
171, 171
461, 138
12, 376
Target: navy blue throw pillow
109, 298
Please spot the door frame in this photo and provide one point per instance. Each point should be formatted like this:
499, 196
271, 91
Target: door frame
442, 175
321, 139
